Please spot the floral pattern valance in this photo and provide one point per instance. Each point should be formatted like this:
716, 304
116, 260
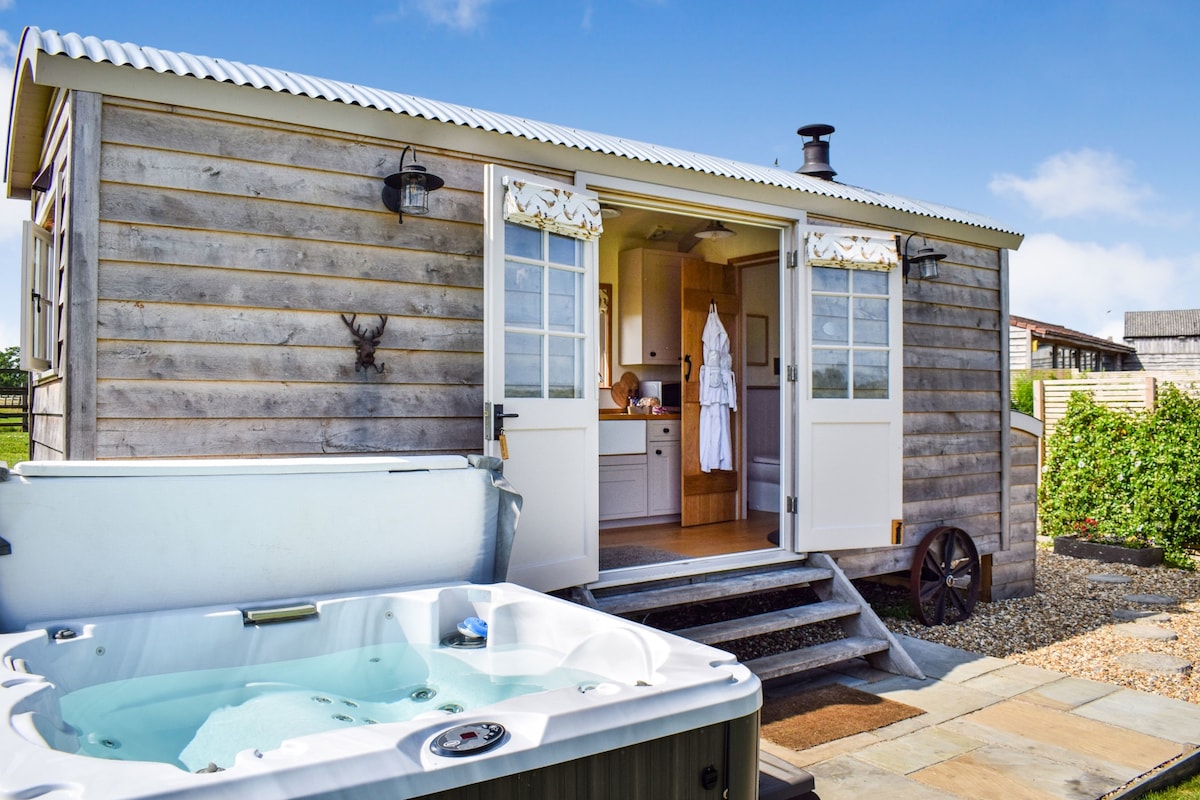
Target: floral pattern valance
553, 209
852, 250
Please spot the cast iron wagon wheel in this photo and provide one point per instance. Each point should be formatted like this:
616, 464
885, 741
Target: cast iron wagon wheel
944, 584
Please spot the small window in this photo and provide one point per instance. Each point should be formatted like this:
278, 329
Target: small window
544, 321
38, 299
850, 343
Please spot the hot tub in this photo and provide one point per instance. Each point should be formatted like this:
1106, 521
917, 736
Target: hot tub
309, 628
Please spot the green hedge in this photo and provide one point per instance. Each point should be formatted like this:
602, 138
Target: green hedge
1122, 474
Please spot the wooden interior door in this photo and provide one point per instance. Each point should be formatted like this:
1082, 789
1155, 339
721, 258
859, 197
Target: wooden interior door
706, 496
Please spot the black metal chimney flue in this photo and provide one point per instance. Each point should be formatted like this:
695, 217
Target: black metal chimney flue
816, 152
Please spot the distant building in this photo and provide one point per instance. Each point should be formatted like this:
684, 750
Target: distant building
1164, 340
1042, 346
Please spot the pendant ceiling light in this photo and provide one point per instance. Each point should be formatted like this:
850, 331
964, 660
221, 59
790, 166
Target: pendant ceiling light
715, 230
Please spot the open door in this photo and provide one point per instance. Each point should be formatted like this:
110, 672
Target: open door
539, 370
706, 496
849, 395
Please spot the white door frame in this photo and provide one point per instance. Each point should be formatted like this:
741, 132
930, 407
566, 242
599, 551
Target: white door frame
790, 222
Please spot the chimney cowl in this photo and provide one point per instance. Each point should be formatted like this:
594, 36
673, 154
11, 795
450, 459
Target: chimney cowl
816, 152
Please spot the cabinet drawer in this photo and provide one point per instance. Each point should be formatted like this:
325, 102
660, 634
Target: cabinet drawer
666, 430
622, 489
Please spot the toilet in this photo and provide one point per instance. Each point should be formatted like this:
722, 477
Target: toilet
763, 483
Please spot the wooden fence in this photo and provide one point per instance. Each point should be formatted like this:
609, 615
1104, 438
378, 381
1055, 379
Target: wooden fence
14, 400
1127, 391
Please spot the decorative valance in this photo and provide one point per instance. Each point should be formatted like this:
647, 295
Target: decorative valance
850, 249
552, 209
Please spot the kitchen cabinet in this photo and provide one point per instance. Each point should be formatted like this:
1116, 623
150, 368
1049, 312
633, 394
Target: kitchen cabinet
662, 468
648, 306
644, 480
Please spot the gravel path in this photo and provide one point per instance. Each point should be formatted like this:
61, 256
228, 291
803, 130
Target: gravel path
1068, 625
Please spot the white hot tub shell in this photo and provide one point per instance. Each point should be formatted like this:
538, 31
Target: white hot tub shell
116, 571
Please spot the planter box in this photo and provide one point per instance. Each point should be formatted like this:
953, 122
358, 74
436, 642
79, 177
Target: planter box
1110, 553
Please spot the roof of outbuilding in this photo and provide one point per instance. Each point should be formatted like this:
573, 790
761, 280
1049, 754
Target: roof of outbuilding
35, 41
1048, 332
1154, 324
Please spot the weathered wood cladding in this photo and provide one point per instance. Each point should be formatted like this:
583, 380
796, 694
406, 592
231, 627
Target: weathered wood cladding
953, 408
228, 251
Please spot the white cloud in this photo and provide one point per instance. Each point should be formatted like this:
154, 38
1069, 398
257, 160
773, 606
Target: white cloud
463, 15
1079, 184
1088, 287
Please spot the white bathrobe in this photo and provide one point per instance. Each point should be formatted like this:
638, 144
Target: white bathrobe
718, 396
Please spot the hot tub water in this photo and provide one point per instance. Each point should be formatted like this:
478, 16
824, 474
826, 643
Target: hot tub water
205, 717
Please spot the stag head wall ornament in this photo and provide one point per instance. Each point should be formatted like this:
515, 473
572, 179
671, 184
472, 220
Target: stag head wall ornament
365, 341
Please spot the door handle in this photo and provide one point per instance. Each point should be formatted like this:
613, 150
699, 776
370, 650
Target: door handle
498, 417
687, 372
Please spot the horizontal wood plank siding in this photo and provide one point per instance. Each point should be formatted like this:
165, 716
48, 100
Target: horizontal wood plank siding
1013, 569
228, 251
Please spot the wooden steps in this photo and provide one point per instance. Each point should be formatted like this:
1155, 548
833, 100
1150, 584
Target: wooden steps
634, 599
862, 633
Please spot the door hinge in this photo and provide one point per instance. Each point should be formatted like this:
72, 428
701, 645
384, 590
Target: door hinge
897, 531
793, 259
792, 506
792, 373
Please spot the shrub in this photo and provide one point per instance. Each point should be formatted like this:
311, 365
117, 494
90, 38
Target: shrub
1022, 393
1122, 474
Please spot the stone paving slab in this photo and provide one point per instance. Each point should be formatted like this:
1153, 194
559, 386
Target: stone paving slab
1155, 662
1114, 752
849, 778
948, 663
1139, 630
998, 773
1173, 720
1143, 615
919, 750
1012, 680
1067, 693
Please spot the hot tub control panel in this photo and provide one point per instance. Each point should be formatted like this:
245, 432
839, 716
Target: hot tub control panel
468, 740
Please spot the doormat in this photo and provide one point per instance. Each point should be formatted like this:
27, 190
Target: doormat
634, 555
806, 719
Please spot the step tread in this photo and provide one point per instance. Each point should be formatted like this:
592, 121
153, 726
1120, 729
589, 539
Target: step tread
719, 588
780, 780
818, 655
769, 622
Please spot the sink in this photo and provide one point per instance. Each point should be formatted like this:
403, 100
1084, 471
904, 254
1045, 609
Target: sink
624, 435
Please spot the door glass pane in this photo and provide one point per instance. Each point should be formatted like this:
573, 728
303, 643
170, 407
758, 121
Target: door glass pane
871, 374
830, 373
566, 367
870, 282
522, 295
522, 365
522, 242
565, 250
831, 322
870, 321
828, 279
565, 292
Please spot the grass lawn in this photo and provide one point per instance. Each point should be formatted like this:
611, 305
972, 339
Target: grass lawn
14, 447
1188, 790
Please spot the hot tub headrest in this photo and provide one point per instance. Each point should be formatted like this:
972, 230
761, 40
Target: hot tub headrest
90, 538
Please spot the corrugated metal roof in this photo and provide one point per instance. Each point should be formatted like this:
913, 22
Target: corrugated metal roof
1156, 324
239, 74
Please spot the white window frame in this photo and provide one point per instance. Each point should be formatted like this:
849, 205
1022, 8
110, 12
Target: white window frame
39, 299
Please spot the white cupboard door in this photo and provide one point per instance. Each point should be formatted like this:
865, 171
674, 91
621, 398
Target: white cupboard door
540, 316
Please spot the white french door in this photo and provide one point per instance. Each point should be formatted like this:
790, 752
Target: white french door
540, 372
849, 396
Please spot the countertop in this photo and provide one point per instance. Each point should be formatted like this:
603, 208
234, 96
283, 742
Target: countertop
613, 413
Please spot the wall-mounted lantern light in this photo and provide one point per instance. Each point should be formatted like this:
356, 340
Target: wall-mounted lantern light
924, 262
407, 191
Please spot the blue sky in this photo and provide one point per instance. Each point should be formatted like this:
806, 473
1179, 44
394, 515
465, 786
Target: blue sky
1071, 122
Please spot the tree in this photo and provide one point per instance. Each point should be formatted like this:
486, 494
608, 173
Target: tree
10, 359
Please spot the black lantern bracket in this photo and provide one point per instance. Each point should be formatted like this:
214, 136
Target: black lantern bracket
924, 262
407, 191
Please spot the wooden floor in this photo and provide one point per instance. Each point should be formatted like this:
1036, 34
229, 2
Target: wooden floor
719, 538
